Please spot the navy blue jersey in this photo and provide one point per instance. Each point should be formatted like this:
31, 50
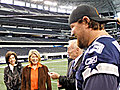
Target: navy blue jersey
101, 57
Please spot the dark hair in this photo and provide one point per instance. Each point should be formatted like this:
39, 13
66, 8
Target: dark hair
93, 24
8, 54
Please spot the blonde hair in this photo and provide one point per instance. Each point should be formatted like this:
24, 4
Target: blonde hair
34, 51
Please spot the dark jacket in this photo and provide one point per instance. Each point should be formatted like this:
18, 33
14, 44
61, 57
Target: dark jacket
12, 80
43, 79
69, 60
68, 82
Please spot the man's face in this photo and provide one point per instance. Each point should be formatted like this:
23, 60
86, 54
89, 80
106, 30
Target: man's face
72, 52
79, 30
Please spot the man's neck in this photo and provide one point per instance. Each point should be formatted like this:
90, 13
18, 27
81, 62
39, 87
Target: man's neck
97, 34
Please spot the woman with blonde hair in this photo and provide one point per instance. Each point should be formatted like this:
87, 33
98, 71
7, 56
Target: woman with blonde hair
35, 75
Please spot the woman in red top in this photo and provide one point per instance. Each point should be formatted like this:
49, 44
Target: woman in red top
35, 75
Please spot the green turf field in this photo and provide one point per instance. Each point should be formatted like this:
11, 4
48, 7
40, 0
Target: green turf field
59, 66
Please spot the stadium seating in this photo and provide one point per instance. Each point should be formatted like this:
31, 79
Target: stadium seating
22, 51
24, 28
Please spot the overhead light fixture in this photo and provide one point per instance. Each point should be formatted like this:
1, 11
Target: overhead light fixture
118, 14
40, 0
37, 0
50, 3
67, 7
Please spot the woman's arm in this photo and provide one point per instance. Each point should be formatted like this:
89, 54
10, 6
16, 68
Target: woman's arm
48, 81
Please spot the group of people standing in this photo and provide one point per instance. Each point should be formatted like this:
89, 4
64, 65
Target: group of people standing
32, 77
35, 76
97, 68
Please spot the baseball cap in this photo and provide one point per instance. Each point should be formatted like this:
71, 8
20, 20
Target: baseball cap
90, 11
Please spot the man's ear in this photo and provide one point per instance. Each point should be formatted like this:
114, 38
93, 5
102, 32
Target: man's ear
77, 49
86, 18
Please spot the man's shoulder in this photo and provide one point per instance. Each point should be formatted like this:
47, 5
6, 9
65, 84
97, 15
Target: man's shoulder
103, 43
106, 40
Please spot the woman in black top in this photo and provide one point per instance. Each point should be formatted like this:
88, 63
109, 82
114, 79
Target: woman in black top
12, 73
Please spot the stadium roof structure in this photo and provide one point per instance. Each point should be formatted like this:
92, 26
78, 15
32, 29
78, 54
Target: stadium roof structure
111, 7
20, 16
101, 5
37, 21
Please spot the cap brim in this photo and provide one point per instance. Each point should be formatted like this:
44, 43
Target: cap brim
103, 20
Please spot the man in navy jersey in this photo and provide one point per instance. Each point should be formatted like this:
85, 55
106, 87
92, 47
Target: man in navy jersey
100, 67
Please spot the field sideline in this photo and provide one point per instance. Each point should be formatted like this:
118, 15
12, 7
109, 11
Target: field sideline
59, 66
